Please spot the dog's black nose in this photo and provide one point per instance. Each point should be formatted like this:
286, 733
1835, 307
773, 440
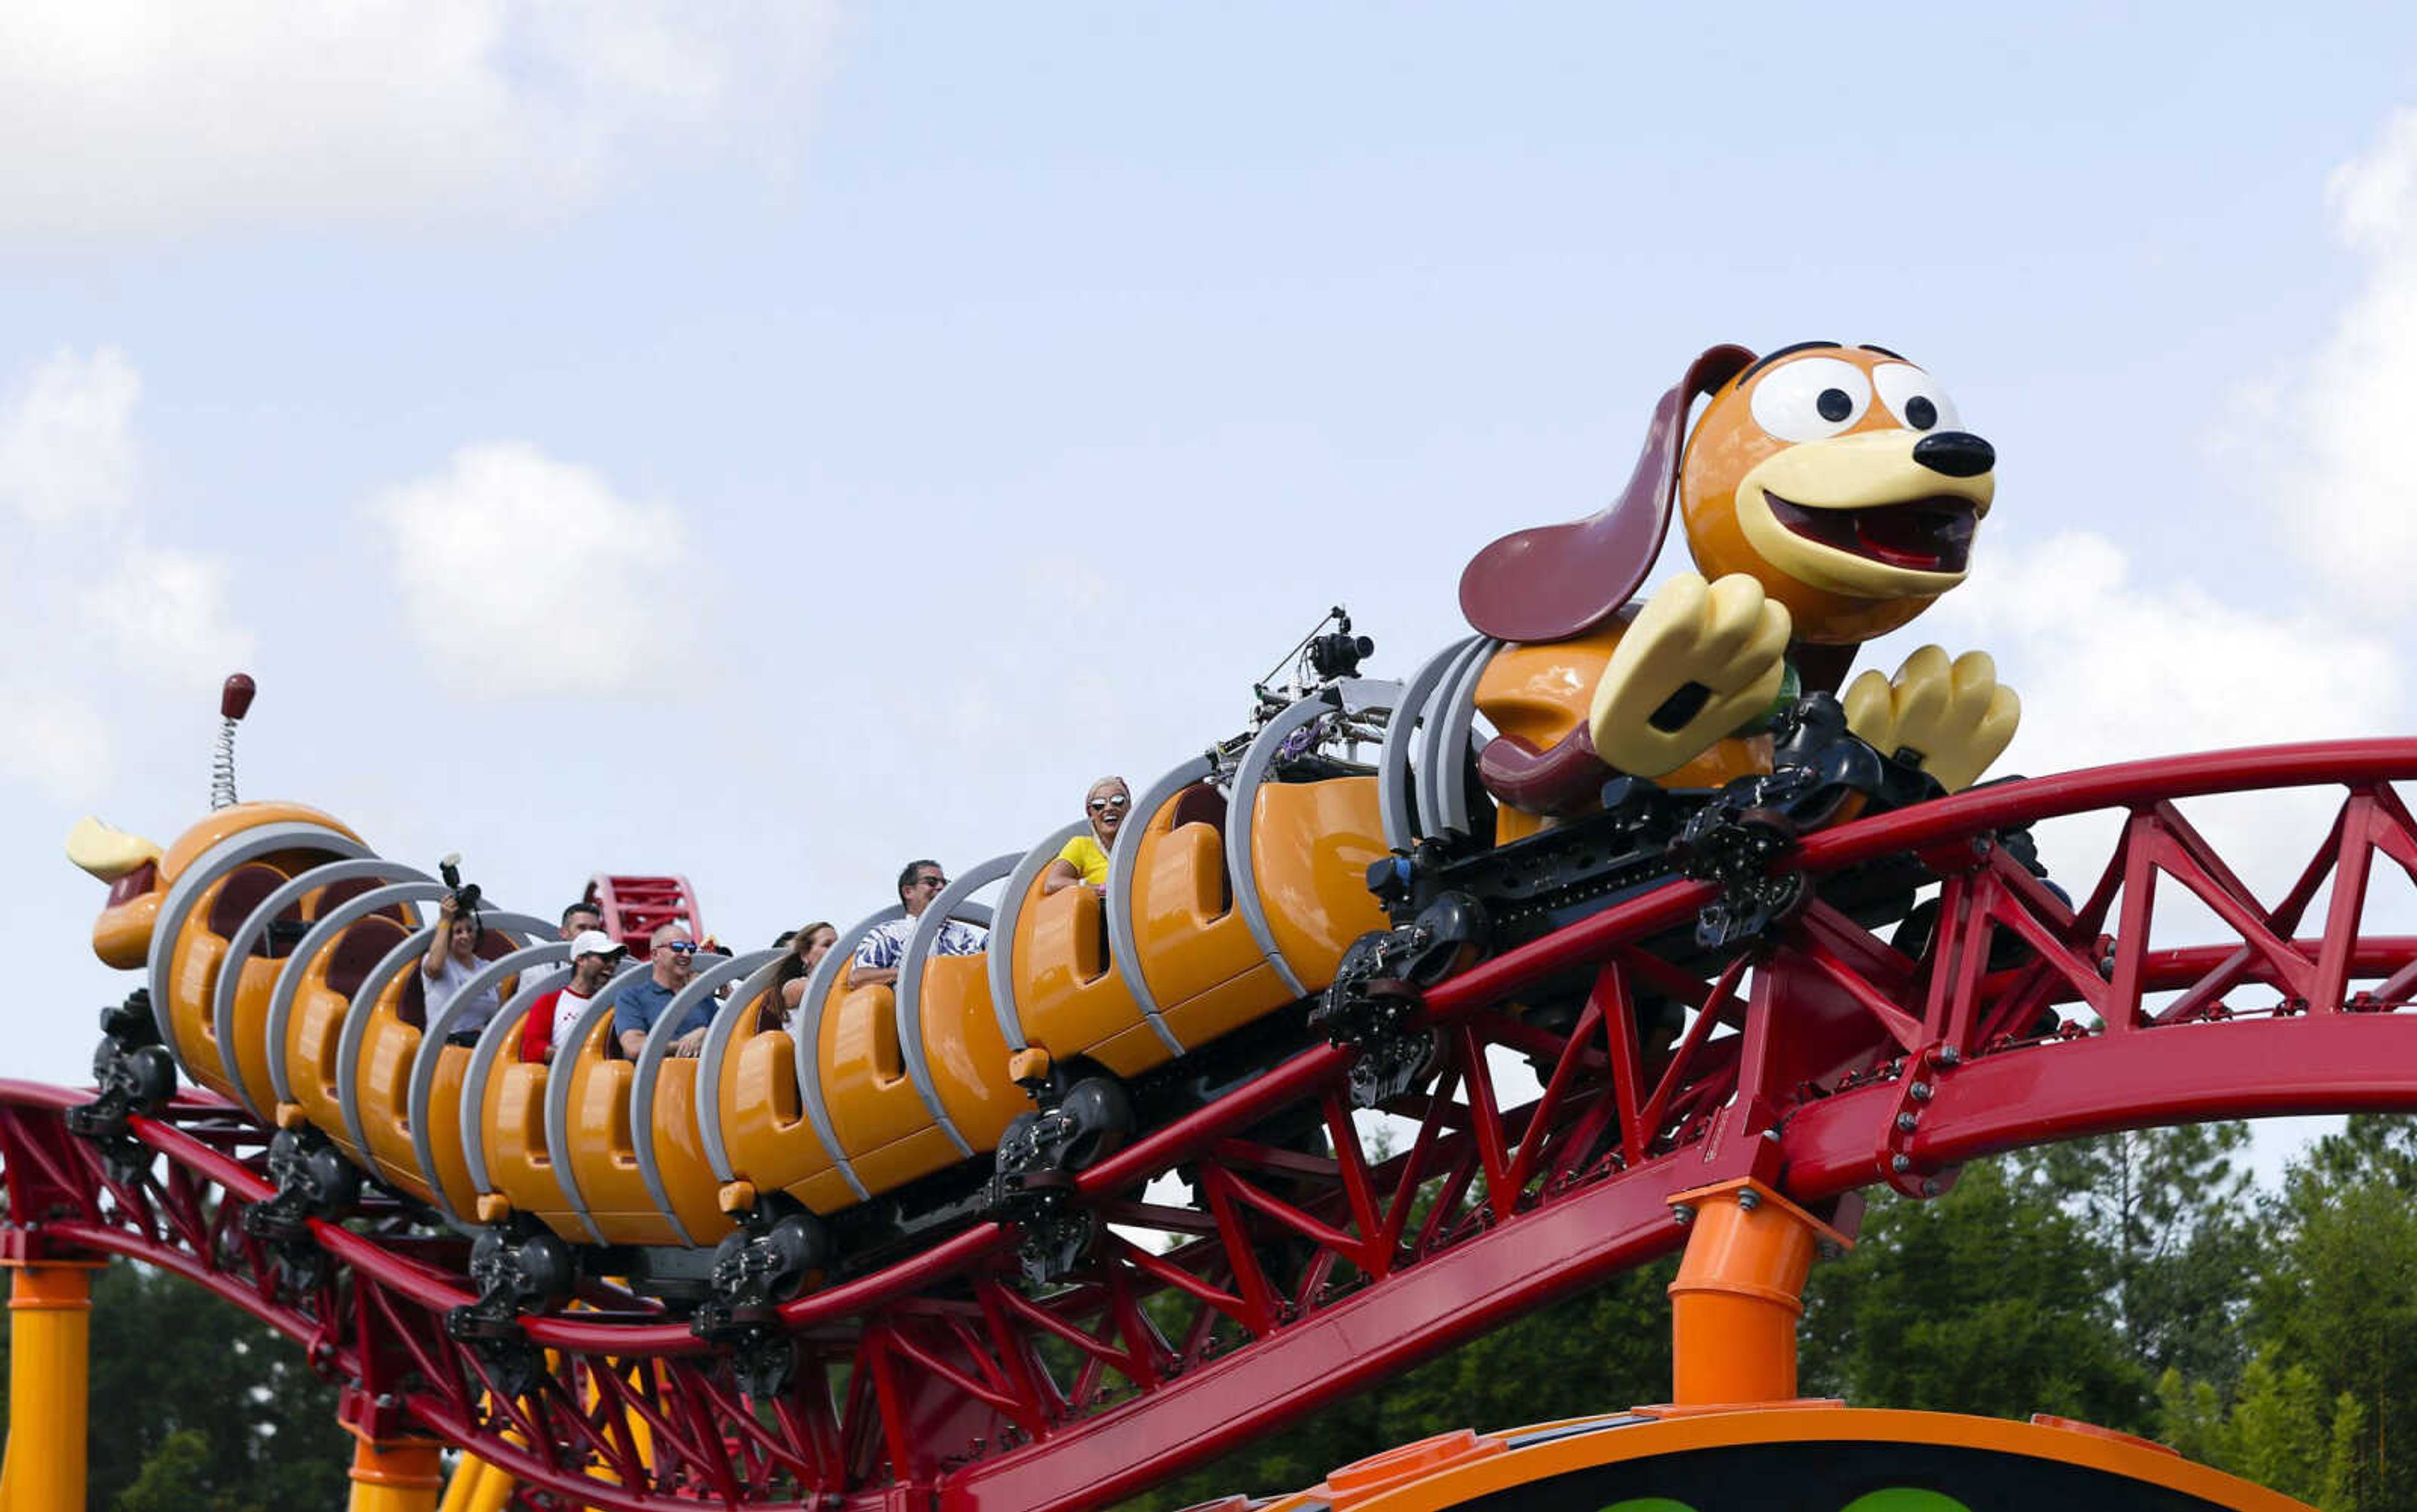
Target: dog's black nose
1956, 453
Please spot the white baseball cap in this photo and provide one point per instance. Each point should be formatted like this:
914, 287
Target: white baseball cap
596, 943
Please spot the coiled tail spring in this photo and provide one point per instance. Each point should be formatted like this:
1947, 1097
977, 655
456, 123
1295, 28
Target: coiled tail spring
235, 701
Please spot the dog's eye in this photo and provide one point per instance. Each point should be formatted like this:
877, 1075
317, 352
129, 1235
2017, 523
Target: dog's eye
1914, 397
1811, 398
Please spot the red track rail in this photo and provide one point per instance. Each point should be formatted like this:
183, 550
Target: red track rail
1280, 1280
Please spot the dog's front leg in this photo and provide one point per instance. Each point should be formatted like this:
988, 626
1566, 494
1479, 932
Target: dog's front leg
1953, 716
1700, 661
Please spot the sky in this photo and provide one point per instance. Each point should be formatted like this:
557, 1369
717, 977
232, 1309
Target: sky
769, 442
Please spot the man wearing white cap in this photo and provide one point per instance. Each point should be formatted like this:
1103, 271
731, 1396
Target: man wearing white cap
593, 956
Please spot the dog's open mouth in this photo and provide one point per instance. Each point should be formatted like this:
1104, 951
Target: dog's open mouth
1927, 535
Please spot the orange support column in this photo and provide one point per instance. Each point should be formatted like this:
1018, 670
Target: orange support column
1739, 1293
395, 1475
50, 1365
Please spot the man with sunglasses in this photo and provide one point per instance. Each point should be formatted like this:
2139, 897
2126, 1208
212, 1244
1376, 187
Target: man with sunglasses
877, 958
641, 1003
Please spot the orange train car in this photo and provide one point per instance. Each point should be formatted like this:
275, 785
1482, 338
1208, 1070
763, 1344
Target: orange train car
271, 928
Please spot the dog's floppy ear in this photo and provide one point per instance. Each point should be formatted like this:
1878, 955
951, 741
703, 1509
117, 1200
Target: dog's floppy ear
1550, 582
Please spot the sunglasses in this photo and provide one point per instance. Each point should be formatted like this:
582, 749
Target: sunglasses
681, 947
1100, 805
930, 882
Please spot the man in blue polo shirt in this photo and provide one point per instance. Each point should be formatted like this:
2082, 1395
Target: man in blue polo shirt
641, 1003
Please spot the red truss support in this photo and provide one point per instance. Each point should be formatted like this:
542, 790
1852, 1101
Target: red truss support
633, 907
1268, 1254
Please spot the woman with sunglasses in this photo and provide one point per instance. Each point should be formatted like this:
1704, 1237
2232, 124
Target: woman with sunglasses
1085, 860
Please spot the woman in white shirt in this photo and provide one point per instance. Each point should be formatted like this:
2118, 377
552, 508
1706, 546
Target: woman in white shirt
444, 970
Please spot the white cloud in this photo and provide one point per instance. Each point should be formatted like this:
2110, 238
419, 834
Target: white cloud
2110, 669
57, 743
67, 442
2113, 669
2346, 485
88, 603
167, 613
124, 114
511, 557
2374, 197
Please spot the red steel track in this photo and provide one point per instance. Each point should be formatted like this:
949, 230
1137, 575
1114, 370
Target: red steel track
1246, 1282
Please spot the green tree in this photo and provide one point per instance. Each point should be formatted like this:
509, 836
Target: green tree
2371, 1148
195, 1404
195, 1363
2177, 1214
175, 1479
1992, 1299
1601, 1352
2275, 1430
2338, 1296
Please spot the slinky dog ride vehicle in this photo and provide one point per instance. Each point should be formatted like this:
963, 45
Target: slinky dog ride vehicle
1358, 840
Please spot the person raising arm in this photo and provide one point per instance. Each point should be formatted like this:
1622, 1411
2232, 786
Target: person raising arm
452, 956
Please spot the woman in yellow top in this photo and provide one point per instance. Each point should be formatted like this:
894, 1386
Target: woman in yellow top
1085, 860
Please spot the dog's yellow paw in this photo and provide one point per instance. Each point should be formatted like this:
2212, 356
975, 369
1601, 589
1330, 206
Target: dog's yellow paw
1699, 660
1955, 715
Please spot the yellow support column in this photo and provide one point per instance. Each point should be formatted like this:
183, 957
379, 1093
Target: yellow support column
393, 1476
495, 1490
49, 1364
468, 1472
476, 1487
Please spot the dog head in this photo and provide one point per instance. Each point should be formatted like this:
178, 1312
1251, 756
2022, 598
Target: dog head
1840, 479
1836, 477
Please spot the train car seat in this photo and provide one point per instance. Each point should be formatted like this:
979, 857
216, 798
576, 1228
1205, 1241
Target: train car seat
390, 1040
889, 1134
596, 1150
500, 1109
314, 1025
1312, 844
665, 1127
963, 1052
1198, 958
199, 954
1070, 999
767, 1140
